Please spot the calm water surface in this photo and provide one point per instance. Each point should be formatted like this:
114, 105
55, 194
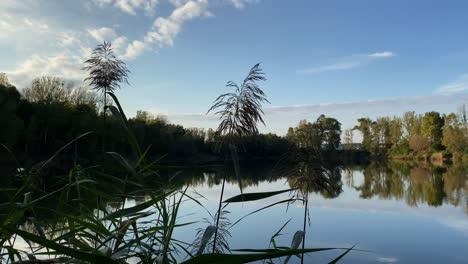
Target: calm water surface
410, 215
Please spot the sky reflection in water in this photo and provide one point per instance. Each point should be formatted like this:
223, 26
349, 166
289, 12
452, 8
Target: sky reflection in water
396, 226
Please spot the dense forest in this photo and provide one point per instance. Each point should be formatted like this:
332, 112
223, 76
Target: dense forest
51, 112
44, 117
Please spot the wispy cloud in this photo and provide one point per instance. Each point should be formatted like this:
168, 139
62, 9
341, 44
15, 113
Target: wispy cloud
165, 29
130, 6
459, 85
348, 62
103, 33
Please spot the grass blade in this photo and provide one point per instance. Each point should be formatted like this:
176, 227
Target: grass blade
247, 197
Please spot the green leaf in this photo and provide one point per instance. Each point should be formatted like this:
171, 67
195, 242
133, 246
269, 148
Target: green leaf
136, 208
341, 256
246, 197
120, 116
78, 254
245, 258
278, 233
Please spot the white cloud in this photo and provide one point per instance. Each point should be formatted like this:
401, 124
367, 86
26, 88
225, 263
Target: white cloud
119, 44
459, 85
14, 25
101, 34
134, 49
165, 29
349, 62
63, 65
178, 2
240, 4
385, 54
130, 6
50, 47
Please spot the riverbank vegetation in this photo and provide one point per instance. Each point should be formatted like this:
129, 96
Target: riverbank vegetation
42, 118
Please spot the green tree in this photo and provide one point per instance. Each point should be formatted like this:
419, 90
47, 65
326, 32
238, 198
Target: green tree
455, 137
396, 131
432, 128
329, 132
412, 124
364, 126
381, 140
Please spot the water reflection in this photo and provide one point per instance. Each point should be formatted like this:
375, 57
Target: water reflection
413, 185
416, 184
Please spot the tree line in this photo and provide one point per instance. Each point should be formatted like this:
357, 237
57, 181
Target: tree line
51, 112
414, 135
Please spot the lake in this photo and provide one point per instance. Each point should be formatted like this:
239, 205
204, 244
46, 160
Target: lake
399, 213
391, 212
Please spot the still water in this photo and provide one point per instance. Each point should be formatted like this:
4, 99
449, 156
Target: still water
397, 214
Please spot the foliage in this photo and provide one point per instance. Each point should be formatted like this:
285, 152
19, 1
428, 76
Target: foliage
432, 128
455, 135
324, 134
419, 143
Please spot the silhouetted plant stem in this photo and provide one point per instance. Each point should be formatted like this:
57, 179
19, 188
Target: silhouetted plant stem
304, 227
105, 124
219, 213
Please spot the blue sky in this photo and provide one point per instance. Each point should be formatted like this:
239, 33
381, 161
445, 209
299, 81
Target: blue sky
342, 58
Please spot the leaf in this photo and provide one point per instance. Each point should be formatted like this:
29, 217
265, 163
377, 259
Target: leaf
245, 258
341, 256
247, 197
296, 241
78, 254
120, 116
136, 208
272, 239
209, 232
124, 162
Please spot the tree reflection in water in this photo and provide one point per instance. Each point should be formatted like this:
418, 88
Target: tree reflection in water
311, 174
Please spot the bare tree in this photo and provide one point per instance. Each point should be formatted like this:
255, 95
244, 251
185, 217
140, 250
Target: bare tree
48, 90
4, 79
